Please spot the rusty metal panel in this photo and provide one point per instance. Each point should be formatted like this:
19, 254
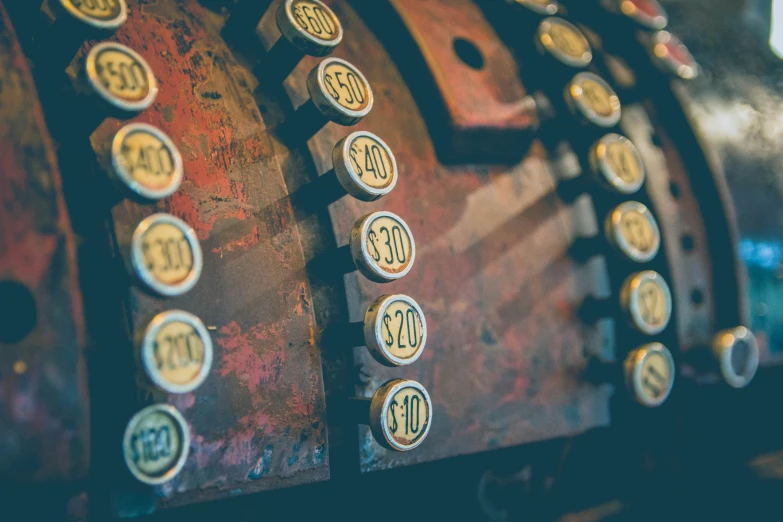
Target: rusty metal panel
454, 55
44, 406
257, 423
505, 348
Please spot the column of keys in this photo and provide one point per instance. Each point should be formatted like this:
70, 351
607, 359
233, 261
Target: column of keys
381, 244
611, 171
164, 258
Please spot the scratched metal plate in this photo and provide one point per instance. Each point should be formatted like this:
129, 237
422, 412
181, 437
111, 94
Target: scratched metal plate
257, 422
505, 349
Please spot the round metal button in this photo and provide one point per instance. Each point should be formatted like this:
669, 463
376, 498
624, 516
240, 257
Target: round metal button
647, 302
365, 166
100, 14
672, 56
156, 444
738, 355
648, 14
649, 374
617, 164
176, 351
339, 91
310, 26
166, 255
563, 41
146, 162
382, 247
591, 98
542, 7
400, 414
632, 229
121, 77
395, 330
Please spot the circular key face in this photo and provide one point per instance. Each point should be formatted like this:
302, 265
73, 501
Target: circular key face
365, 166
395, 330
166, 255
647, 302
101, 14
632, 229
542, 7
176, 351
649, 373
340, 91
121, 77
738, 354
589, 96
400, 414
156, 444
565, 42
310, 25
617, 164
382, 247
672, 56
649, 14
146, 161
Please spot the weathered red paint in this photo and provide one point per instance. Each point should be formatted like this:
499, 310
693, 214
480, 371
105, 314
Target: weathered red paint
258, 421
241, 359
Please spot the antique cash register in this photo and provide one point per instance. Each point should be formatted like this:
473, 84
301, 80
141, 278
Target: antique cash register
390, 259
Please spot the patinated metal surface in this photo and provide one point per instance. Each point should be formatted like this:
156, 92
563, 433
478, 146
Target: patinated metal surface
506, 353
258, 421
44, 407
